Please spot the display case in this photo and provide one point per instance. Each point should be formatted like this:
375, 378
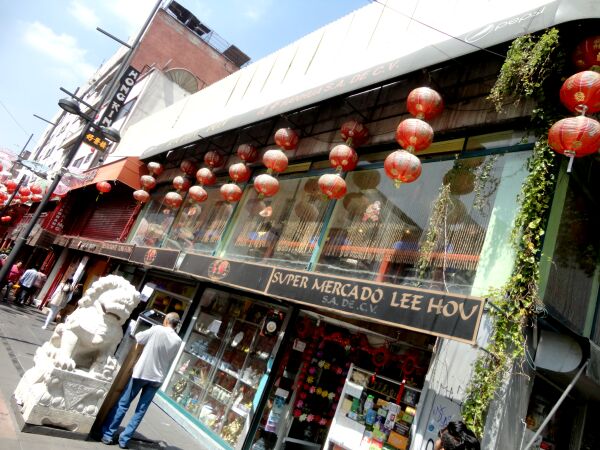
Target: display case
225, 356
373, 412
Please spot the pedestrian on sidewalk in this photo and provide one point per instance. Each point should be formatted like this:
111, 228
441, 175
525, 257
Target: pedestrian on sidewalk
26, 282
161, 343
456, 436
59, 300
38, 284
13, 277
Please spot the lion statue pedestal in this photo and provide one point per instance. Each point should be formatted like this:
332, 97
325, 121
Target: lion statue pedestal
74, 370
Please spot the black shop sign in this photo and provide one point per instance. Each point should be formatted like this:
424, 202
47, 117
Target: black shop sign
126, 82
156, 257
432, 312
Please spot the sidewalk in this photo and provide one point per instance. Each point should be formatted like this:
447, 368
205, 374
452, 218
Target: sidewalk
20, 334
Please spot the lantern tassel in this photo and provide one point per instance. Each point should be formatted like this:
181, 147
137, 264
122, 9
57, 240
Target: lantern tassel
570, 166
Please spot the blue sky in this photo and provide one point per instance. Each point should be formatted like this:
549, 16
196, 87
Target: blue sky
48, 44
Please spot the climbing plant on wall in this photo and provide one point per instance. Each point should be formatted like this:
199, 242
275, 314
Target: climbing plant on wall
532, 65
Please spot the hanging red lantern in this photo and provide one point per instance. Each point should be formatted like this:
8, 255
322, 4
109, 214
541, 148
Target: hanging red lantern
354, 133
148, 182
181, 183
575, 137
424, 103
188, 167
155, 168
286, 138
205, 177
231, 192
239, 172
266, 185
587, 53
414, 135
141, 196
103, 187
24, 191
198, 194
3, 196
247, 153
173, 199
580, 93
343, 157
1, 167
402, 167
213, 159
11, 186
35, 189
5, 219
36, 198
275, 160
332, 185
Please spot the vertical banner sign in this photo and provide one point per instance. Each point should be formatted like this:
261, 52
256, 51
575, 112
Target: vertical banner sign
125, 84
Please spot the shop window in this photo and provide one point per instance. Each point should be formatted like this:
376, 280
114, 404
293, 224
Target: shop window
429, 233
227, 353
283, 229
495, 140
154, 221
199, 226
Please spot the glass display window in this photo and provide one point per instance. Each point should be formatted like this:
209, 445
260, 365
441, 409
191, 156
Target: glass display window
199, 227
154, 221
226, 355
283, 230
430, 232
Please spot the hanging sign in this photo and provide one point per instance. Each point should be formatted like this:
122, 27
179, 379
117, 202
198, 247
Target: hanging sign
438, 313
126, 82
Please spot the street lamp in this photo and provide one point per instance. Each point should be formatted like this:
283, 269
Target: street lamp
110, 134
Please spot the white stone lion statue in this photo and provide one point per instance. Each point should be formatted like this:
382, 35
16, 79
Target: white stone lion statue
88, 338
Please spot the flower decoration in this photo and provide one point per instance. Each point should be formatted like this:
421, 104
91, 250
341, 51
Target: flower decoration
310, 418
302, 418
338, 371
319, 390
303, 395
326, 366
331, 395
312, 370
312, 389
297, 413
310, 380
324, 393
321, 363
299, 404
323, 422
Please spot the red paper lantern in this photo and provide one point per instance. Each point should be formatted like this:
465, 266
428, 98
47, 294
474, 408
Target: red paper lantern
36, 198
239, 172
332, 185
155, 168
424, 103
231, 192
148, 182
275, 160
103, 187
580, 93
11, 186
35, 189
24, 191
354, 133
414, 135
286, 138
402, 167
198, 194
1, 167
173, 199
205, 177
188, 167
213, 159
5, 219
343, 157
575, 137
141, 196
3, 196
181, 183
266, 185
587, 53
247, 153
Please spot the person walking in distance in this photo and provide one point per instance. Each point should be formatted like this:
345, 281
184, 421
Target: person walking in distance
13, 277
161, 343
456, 436
58, 300
26, 282
38, 284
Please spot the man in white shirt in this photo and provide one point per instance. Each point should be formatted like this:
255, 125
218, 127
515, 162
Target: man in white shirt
160, 348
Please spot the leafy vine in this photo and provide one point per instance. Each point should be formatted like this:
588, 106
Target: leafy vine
530, 64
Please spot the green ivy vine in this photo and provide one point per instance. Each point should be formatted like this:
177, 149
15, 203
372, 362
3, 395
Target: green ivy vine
531, 64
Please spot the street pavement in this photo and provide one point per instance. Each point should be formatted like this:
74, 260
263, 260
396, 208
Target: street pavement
20, 334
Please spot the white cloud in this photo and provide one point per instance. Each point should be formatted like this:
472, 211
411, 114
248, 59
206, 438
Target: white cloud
85, 15
62, 48
133, 13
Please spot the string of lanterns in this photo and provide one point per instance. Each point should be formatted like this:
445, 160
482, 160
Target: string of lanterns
148, 182
413, 135
239, 173
579, 136
276, 162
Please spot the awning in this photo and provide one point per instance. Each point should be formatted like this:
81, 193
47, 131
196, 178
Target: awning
127, 171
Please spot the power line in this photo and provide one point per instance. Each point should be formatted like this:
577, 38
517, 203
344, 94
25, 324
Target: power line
438, 30
13, 118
